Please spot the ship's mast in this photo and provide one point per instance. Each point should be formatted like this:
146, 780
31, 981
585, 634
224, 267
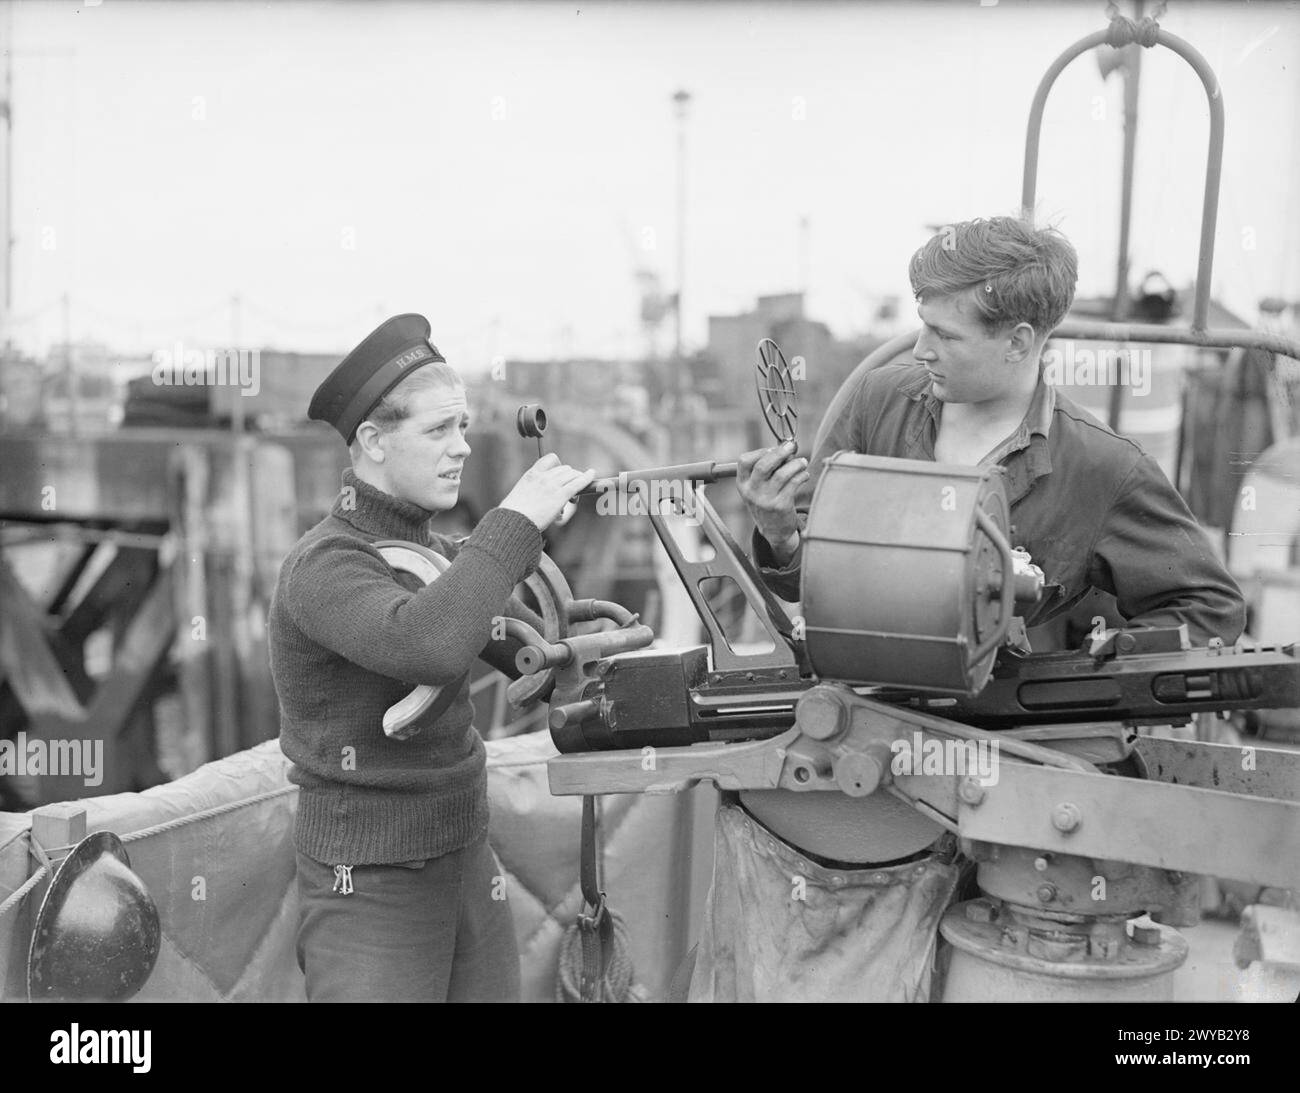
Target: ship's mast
6, 176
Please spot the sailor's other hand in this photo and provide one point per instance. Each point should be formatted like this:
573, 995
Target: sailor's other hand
545, 488
769, 480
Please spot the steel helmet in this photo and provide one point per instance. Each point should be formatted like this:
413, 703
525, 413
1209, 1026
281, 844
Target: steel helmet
97, 933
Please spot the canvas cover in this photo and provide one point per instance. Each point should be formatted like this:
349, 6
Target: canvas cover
224, 883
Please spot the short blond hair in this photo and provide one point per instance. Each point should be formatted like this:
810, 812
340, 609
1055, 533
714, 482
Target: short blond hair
395, 407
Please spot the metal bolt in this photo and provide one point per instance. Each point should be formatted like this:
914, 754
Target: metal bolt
1014, 937
1046, 893
1104, 948
1066, 817
1126, 643
971, 792
1146, 935
1046, 948
857, 774
1040, 864
820, 714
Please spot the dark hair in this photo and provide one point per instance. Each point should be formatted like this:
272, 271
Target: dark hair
1014, 272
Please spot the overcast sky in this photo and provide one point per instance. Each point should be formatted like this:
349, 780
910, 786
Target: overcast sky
495, 166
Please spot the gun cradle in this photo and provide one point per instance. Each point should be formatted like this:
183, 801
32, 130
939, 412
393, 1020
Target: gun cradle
1037, 796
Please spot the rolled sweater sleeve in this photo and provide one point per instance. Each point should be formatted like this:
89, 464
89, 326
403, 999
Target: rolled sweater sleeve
500, 652
1157, 561
343, 595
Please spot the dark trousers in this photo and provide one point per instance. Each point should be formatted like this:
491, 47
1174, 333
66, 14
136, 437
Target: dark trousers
418, 932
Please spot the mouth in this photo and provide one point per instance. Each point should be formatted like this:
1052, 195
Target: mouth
450, 476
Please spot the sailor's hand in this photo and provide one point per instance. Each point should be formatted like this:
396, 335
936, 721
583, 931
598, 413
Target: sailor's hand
769, 480
545, 489
566, 514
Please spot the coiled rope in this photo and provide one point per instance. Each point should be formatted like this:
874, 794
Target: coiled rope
616, 984
1124, 31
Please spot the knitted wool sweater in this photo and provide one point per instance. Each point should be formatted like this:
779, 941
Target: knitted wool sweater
349, 637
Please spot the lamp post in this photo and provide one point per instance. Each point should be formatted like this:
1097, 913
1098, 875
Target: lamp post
681, 103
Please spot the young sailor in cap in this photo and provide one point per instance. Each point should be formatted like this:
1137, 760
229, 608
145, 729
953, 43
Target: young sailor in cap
400, 897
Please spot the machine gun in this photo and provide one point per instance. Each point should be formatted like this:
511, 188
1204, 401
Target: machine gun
1067, 851
675, 699
910, 649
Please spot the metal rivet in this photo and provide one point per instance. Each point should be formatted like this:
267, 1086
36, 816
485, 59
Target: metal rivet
1066, 817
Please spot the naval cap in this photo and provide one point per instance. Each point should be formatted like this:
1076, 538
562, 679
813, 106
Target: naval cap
371, 370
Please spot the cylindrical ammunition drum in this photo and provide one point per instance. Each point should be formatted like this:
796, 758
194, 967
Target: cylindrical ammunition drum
907, 573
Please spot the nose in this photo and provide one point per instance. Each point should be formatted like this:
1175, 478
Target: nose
461, 449
924, 348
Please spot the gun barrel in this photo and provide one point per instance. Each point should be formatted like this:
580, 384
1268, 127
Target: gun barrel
702, 472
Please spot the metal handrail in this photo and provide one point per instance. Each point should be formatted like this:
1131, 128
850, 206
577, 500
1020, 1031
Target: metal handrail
1119, 34
1220, 338
1214, 161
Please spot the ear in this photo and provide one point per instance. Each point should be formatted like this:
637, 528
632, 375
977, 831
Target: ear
1021, 343
371, 441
